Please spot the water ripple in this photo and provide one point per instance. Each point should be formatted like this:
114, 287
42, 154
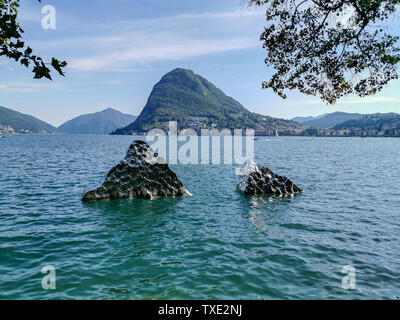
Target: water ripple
217, 244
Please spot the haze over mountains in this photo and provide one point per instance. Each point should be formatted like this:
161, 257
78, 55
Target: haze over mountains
23, 122
310, 118
103, 122
328, 120
193, 101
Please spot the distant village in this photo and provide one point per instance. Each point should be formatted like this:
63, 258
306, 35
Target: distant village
6, 130
386, 131
10, 130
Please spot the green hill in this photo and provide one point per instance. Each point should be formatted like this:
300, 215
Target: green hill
20, 121
185, 97
103, 122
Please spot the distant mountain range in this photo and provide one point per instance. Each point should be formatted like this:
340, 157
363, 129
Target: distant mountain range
193, 101
328, 120
103, 122
379, 122
353, 124
23, 122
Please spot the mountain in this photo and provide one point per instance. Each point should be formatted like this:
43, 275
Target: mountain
192, 101
378, 122
23, 122
103, 122
304, 119
332, 119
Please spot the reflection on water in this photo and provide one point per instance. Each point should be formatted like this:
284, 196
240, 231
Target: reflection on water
263, 210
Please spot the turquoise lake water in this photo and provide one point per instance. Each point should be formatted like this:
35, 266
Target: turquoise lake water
217, 244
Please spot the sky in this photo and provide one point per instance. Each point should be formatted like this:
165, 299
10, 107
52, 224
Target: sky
118, 50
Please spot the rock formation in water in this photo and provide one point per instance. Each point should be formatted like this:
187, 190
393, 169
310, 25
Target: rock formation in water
142, 174
263, 181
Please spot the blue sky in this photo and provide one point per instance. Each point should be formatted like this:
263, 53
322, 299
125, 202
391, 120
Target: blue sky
117, 50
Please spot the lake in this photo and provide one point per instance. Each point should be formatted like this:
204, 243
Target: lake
217, 244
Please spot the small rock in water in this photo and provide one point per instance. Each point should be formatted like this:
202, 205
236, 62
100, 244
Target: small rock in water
142, 174
263, 181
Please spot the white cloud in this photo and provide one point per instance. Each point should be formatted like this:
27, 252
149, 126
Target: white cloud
149, 49
377, 99
139, 42
225, 15
27, 87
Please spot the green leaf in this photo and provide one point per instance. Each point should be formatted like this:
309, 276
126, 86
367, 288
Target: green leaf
57, 65
28, 52
25, 62
41, 71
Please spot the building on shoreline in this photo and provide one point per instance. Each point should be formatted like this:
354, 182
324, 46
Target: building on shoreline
6, 129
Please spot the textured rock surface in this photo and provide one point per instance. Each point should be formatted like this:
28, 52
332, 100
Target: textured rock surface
263, 181
142, 174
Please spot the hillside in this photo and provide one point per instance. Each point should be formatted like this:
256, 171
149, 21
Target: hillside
332, 119
386, 124
103, 122
192, 101
23, 122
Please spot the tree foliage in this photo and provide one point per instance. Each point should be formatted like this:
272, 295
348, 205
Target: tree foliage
12, 46
330, 48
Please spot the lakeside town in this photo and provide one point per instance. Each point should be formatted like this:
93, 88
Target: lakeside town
111, 121
388, 130
384, 128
